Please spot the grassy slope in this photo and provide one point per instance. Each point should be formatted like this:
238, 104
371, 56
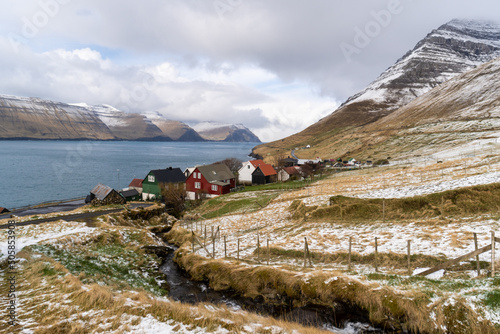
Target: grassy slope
454, 302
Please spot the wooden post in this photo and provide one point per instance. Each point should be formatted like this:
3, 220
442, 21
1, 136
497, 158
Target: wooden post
238, 253
409, 257
268, 251
205, 237
192, 241
225, 247
258, 249
383, 210
305, 252
349, 260
477, 257
493, 241
376, 255
213, 246
213, 235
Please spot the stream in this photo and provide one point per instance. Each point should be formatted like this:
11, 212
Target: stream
183, 289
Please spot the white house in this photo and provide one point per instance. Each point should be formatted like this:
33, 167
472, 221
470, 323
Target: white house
245, 172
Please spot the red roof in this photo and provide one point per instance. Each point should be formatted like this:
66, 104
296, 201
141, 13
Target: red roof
265, 168
292, 170
136, 183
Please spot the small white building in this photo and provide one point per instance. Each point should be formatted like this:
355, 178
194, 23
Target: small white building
245, 172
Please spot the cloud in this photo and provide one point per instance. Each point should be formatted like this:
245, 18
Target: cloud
277, 66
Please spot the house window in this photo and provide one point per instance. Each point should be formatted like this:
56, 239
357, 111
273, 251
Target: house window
151, 178
215, 187
248, 166
197, 185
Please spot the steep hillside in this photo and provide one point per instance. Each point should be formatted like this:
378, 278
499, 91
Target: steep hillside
176, 130
42, 119
453, 48
225, 132
33, 118
465, 108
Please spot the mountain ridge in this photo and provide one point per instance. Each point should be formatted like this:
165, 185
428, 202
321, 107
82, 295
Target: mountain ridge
36, 118
453, 48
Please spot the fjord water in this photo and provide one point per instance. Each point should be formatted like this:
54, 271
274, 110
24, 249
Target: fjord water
33, 172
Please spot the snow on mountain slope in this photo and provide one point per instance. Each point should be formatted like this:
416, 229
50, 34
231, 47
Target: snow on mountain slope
453, 48
22, 117
225, 132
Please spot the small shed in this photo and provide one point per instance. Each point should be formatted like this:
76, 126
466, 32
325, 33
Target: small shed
264, 174
104, 195
3, 210
131, 195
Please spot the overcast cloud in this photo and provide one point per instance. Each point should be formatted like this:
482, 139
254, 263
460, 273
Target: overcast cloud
276, 66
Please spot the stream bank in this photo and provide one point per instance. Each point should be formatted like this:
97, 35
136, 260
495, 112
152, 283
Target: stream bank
344, 319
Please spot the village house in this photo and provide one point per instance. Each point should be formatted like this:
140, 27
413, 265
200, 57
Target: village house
3, 210
104, 195
288, 173
288, 162
264, 174
209, 181
131, 195
156, 179
245, 173
188, 171
135, 184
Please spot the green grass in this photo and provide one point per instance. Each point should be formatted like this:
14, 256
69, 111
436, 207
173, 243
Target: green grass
474, 200
224, 205
110, 263
493, 299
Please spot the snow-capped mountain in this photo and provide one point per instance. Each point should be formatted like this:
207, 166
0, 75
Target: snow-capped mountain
174, 129
33, 118
23, 117
452, 49
225, 132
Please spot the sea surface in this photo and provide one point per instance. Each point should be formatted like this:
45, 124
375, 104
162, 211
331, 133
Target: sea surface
33, 172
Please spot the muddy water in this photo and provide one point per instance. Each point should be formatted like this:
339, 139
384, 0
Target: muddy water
345, 320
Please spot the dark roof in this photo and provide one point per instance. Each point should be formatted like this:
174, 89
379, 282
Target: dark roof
136, 183
101, 191
216, 172
3, 210
169, 175
129, 193
290, 160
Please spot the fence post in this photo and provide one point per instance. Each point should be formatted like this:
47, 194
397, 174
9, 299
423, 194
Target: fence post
376, 255
477, 257
205, 237
258, 249
192, 241
268, 251
238, 253
493, 242
225, 247
305, 252
409, 257
349, 260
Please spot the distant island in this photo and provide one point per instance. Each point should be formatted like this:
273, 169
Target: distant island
34, 118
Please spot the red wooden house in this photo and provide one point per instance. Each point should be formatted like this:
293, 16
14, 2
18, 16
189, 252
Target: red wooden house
210, 181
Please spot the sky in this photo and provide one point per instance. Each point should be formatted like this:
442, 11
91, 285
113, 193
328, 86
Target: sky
276, 66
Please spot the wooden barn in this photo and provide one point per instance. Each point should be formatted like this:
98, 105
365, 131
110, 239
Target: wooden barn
104, 195
264, 174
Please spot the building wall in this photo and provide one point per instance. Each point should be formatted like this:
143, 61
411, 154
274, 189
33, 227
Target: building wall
206, 187
245, 173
